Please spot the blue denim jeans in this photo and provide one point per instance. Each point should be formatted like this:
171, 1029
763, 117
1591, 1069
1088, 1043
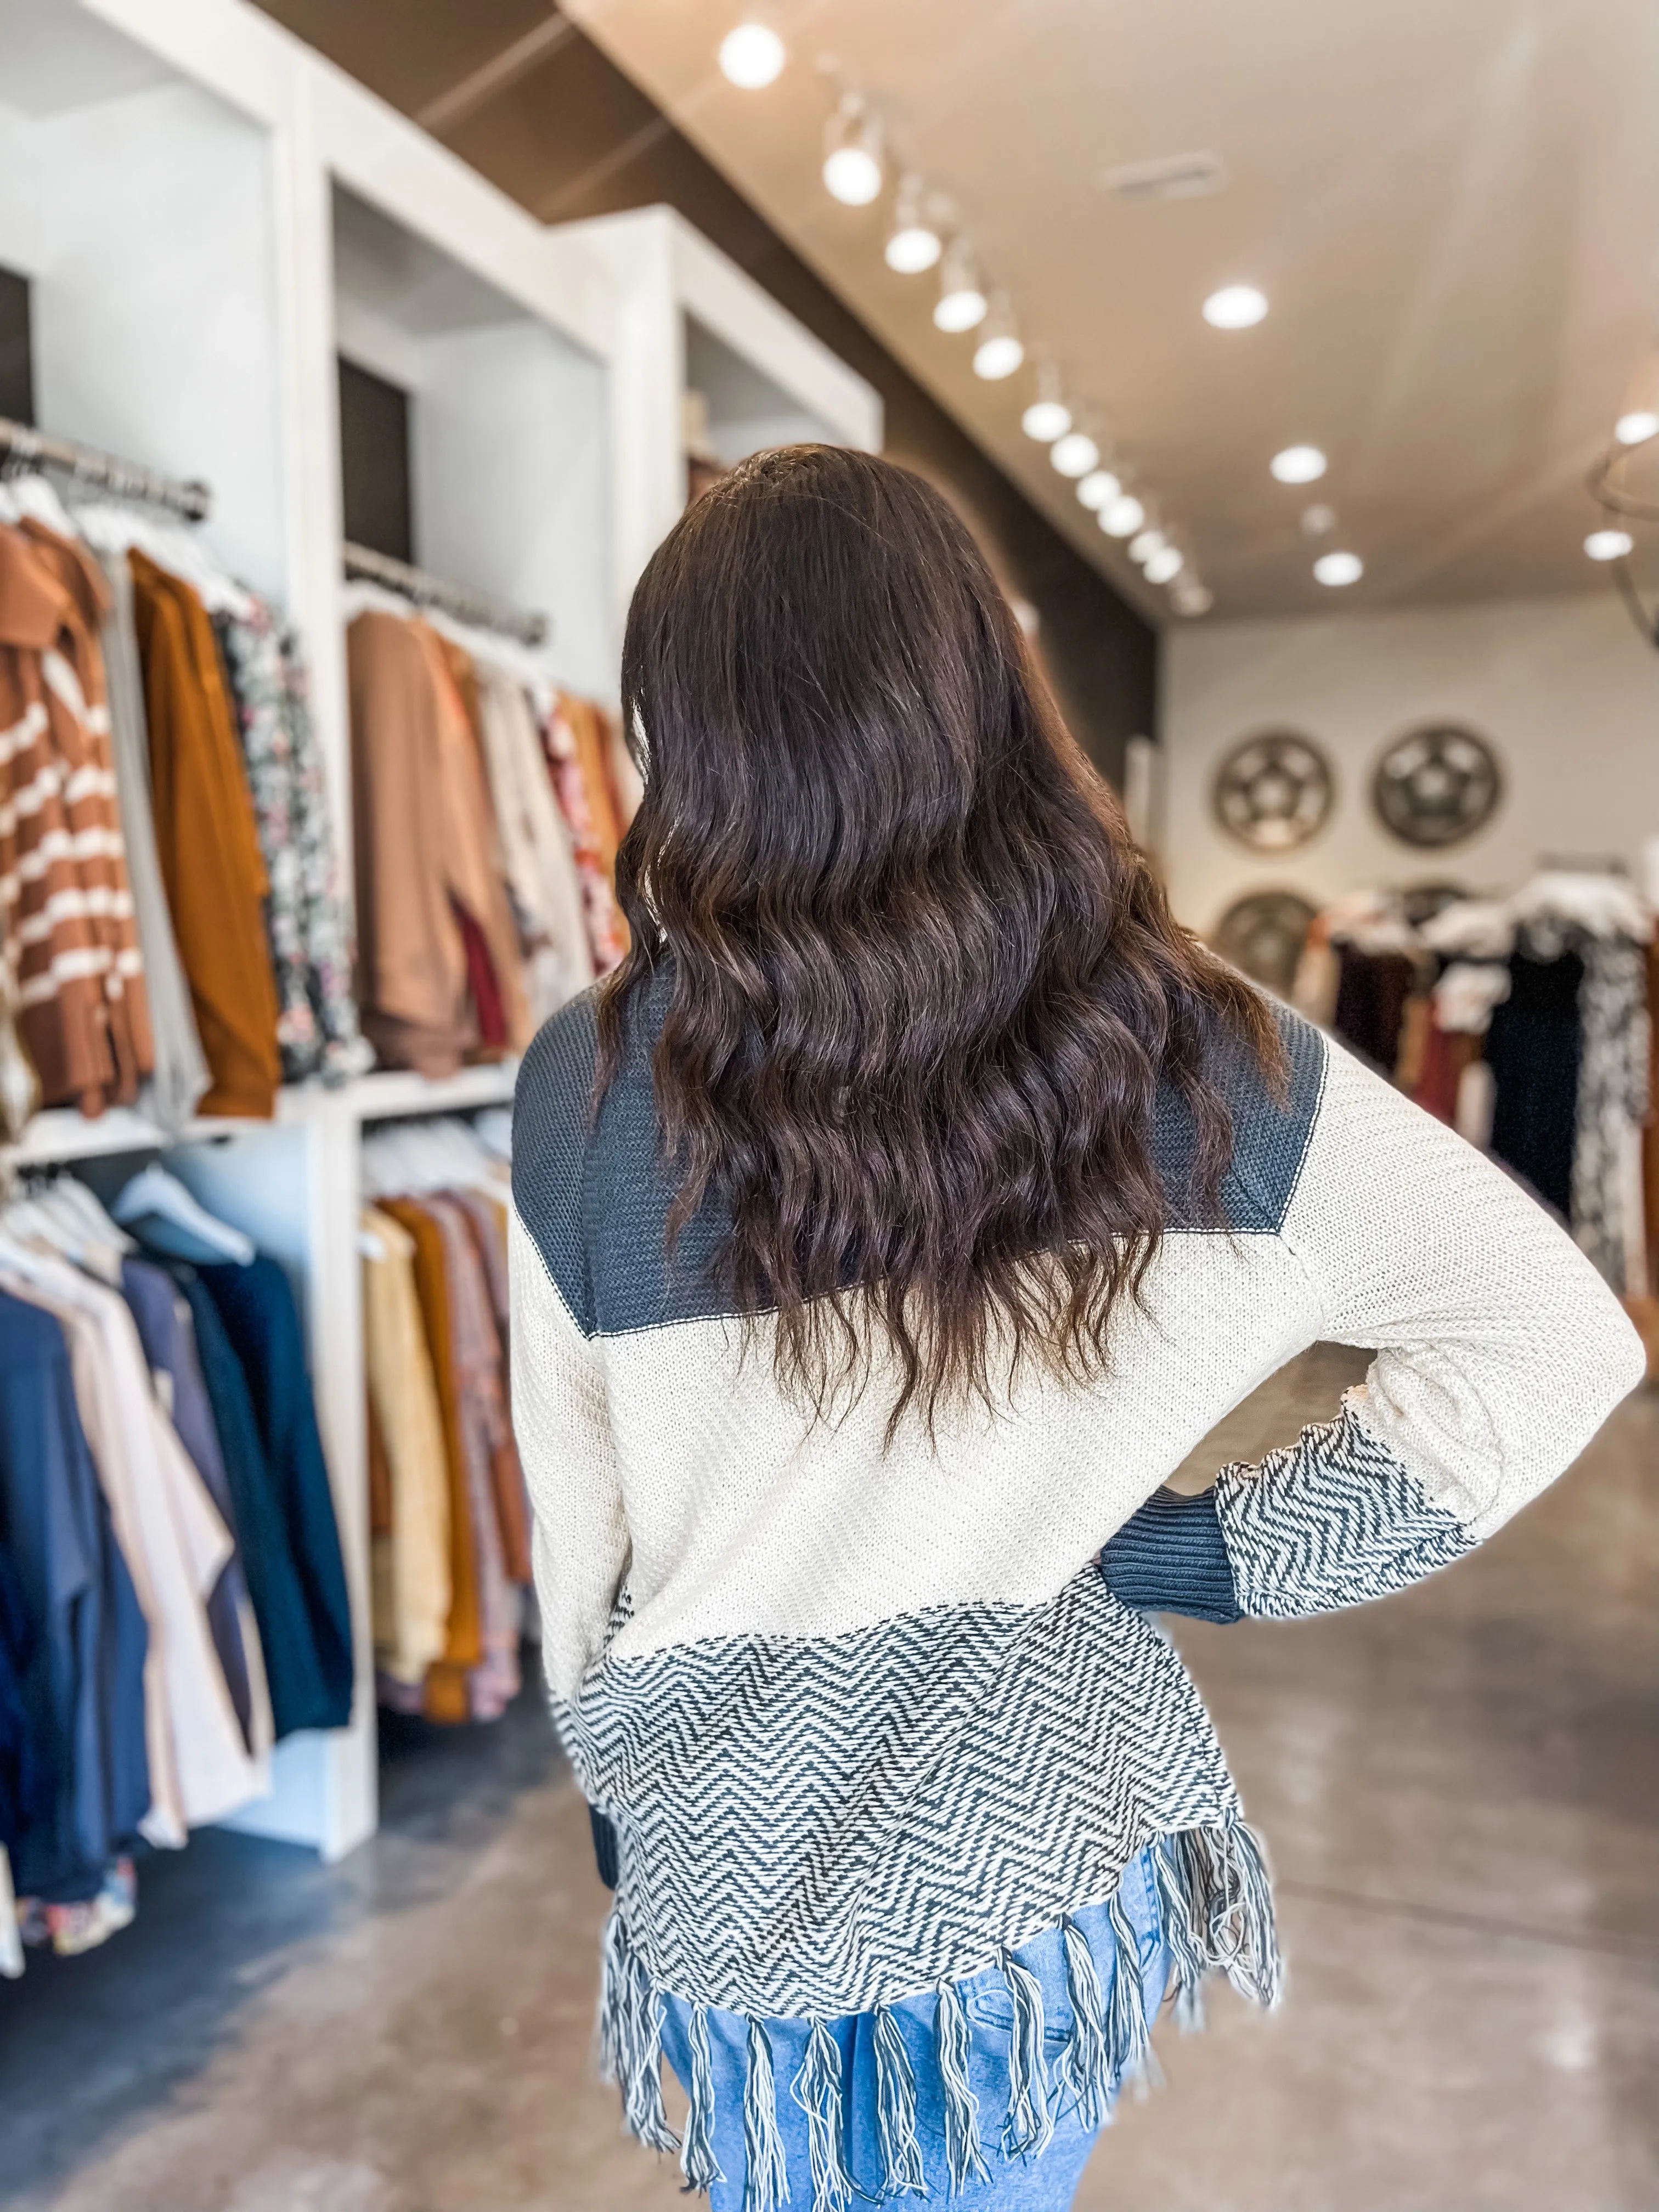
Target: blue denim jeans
1044, 2183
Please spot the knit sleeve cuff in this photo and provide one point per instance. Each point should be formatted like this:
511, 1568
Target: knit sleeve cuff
1170, 1556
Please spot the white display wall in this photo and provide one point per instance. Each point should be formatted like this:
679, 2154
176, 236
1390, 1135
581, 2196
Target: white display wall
207, 211
1565, 689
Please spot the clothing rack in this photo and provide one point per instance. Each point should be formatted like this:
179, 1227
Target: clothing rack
426, 590
87, 466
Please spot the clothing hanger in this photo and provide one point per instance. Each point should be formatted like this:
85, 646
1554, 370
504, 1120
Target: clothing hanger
81, 1200
37, 499
59, 1222
116, 527
160, 1200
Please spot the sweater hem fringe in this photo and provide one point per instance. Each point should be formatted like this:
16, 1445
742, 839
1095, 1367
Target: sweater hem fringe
1215, 1901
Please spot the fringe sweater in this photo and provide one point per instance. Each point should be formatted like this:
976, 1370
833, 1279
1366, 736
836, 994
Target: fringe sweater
866, 1717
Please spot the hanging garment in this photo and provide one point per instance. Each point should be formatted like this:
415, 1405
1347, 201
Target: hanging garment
66, 916
30, 1750
423, 841
411, 1556
302, 1694
467, 796
262, 1322
493, 1683
162, 1320
1611, 1105
445, 1695
175, 1546
486, 1218
573, 763
317, 1026
536, 848
1533, 1050
179, 1074
209, 853
1372, 993
76, 1778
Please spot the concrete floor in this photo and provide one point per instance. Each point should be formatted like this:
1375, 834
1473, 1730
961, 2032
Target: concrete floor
1458, 1787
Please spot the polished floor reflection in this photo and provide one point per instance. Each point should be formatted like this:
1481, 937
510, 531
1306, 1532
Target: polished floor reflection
1460, 1789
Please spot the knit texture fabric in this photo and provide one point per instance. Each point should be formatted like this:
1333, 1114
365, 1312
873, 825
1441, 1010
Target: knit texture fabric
1170, 1556
866, 1715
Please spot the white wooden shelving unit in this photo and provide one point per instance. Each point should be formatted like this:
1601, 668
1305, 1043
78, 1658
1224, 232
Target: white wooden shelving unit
207, 211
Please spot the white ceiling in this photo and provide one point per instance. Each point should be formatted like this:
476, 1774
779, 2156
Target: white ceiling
1453, 206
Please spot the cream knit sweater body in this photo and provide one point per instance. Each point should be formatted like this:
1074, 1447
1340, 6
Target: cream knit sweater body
868, 1717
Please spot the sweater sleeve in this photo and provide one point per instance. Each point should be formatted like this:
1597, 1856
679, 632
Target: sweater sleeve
579, 1547
1500, 1353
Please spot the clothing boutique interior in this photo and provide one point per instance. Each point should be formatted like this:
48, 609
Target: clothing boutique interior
1296, 367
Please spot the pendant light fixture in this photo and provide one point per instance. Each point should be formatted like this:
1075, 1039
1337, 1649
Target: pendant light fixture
961, 303
1047, 417
1075, 454
998, 352
1098, 490
752, 55
853, 170
914, 244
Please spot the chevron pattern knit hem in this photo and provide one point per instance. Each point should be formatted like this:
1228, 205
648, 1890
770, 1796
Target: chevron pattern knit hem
1215, 1908
816, 1826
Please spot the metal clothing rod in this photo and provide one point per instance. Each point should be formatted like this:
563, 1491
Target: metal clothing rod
87, 466
429, 591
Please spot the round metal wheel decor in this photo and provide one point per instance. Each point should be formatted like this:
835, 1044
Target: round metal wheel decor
1437, 785
1274, 792
1263, 935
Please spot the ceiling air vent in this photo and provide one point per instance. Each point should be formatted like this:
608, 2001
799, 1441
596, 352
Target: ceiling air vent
1177, 177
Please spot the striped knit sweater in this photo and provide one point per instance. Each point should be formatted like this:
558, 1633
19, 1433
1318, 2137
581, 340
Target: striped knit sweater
867, 1717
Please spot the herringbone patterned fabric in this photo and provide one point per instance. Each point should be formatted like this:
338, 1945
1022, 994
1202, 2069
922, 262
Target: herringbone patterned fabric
818, 1826
1331, 1520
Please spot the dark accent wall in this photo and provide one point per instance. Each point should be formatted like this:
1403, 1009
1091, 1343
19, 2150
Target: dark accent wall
569, 135
17, 350
376, 499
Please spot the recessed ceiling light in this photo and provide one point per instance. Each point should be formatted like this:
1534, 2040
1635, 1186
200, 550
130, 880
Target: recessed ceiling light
1045, 420
1298, 464
1318, 521
1074, 455
914, 243
1165, 565
962, 302
1189, 597
1143, 546
1637, 427
1338, 569
1098, 488
1123, 516
1235, 307
752, 55
851, 159
1608, 544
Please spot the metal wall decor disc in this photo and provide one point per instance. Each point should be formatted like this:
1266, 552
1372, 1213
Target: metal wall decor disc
1263, 933
1274, 792
1437, 785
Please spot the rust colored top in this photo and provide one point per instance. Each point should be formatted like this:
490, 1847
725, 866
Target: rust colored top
208, 843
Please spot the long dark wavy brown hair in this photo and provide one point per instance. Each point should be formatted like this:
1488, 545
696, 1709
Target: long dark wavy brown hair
924, 986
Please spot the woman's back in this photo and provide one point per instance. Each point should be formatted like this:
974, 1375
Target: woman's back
885, 1234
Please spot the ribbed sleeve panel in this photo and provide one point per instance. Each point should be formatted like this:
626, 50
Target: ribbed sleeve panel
1170, 1556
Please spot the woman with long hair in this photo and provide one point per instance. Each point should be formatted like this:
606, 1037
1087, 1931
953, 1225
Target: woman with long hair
891, 1223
